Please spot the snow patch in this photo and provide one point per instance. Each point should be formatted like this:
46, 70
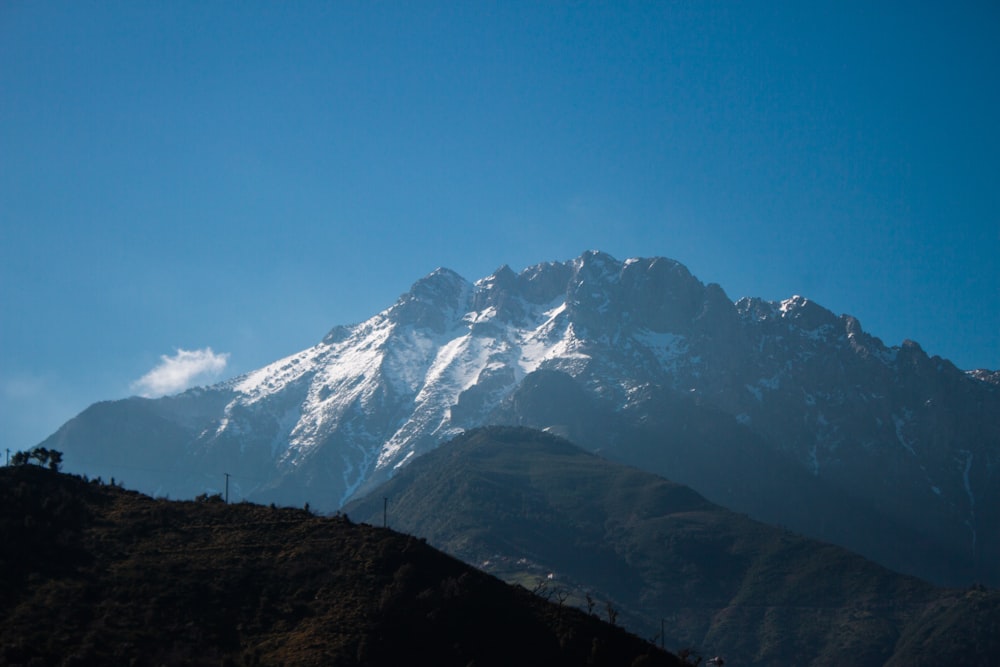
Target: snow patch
352, 485
900, 423
666, 347
965, 478
771, 383
819, 333
791, 304
273, 378
553, 338
482, 316
971, 521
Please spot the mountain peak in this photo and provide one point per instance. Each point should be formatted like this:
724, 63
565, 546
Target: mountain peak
433, 300
596, 256
503, 277
441, 282
808, 314
985, 375
596, 264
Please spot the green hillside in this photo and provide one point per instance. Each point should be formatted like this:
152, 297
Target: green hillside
91, 574
526, 505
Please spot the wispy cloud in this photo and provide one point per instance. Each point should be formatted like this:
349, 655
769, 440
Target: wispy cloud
177, 373
22, 387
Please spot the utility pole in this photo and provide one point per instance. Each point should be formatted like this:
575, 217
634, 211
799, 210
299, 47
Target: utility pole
385, 511
662, 629
8, 456
227, 486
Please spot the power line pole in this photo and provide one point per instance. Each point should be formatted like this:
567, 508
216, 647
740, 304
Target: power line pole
227, 486
8, 456
385, 511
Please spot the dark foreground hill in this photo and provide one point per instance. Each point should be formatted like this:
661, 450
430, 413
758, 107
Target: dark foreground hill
91, 574
526, 504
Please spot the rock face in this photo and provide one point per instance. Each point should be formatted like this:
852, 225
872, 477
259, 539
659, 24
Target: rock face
779, 409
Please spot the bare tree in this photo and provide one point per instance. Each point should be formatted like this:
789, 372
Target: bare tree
612, 612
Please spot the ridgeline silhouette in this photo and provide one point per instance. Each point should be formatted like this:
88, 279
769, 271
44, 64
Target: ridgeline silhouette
91, 573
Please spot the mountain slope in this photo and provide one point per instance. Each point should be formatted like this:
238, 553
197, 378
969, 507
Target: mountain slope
92, 574
522, 503
680, 437
824, 414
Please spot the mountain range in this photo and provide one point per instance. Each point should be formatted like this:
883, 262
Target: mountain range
781, 410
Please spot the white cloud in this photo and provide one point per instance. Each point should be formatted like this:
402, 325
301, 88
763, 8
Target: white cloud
177, 373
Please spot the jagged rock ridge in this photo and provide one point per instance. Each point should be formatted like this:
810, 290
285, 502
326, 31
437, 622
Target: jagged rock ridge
818, 406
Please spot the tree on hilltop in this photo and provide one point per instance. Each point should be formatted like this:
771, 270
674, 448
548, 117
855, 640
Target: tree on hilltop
50, 458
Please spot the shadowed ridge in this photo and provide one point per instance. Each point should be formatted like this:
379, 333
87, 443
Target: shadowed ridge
525, 504
94, 574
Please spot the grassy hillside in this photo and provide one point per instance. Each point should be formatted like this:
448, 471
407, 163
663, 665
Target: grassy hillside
524, 505
93, 574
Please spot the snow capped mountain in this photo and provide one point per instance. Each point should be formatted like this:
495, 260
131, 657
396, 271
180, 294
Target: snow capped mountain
902, 436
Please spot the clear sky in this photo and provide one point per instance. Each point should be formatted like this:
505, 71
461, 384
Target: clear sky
191, 190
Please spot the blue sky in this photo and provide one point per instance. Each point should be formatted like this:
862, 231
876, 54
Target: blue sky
243, 176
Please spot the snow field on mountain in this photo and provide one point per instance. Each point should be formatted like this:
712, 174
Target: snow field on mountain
273, 378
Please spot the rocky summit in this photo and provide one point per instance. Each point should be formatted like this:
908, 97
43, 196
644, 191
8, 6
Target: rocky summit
782, 410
